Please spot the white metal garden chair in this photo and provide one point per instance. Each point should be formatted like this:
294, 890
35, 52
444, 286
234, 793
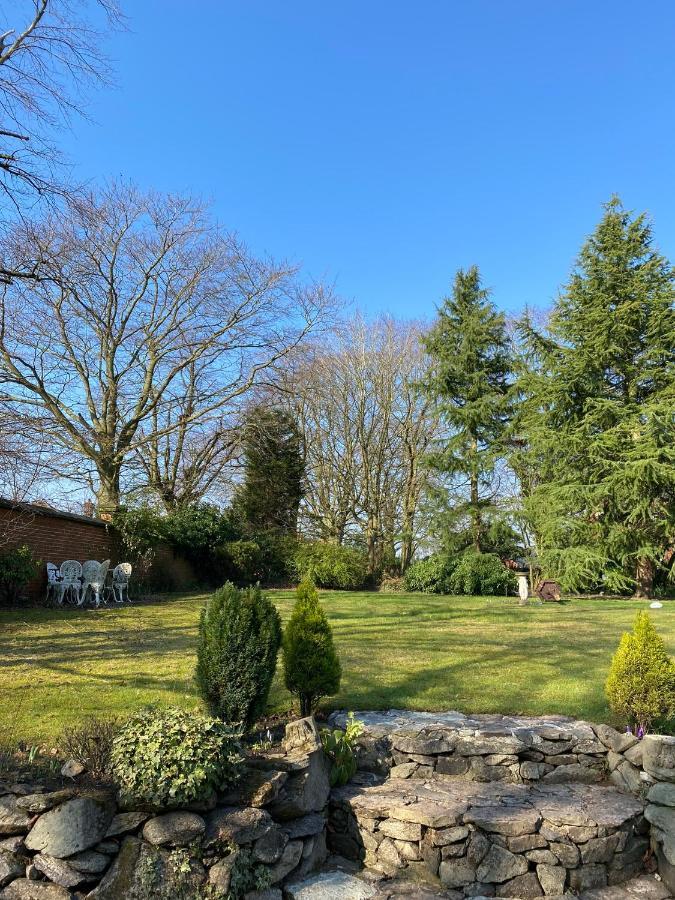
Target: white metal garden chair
120, 582
69, 585
98, 584
90, 575
52, 582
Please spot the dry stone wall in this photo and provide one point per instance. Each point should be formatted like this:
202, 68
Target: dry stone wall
72, 844
507, 806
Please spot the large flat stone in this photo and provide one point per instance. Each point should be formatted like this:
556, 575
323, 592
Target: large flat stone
25, 889
13, 819
73, 826
330, 886
658, 756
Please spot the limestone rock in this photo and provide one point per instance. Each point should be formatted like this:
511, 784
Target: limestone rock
39, 803
268, 848
506, 821
551, 878
663, 794
13, 819
658, 756
302, 734
25, 889
402, 831
11, 867
72, 768
220, 875
613, 739
125, 822
118, 881
73, 826
575, 773
330, 886
522, 886
456, 872
312, 823
289, 860
306, 790
59, 871
238, 826
175, 828
500, 865
89, 861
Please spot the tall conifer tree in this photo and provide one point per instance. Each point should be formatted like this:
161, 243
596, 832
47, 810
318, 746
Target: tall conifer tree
468, 383
599, 417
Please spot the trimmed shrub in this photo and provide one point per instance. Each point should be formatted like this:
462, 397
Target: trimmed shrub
331, 566
171, 757
430, 575
640, 687
483, 574
17, 567
311, 665
239, 638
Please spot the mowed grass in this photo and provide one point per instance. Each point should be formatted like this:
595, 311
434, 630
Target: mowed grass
473, 654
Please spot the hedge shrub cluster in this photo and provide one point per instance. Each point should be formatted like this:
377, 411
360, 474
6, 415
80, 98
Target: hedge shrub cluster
172, 757
465, 573
330, 565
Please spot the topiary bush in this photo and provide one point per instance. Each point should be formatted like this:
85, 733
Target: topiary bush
239, 638
483, 574
17, 568
172, 757
640, 687
431, 575
331, 565
311, 665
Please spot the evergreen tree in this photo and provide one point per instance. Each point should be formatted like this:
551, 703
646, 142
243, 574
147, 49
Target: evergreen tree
599, 414
270, 495
468, 383
311, 665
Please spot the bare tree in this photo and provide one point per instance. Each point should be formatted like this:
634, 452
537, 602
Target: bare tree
50, 54
132, 293
366, 430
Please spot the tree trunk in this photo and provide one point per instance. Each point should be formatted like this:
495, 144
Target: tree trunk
477, 525
108, 493
644, 578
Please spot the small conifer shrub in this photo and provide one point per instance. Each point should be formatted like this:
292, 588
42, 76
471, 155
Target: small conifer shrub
311, 665
239, 638
640, 688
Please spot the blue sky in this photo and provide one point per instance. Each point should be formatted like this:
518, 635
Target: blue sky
386, 144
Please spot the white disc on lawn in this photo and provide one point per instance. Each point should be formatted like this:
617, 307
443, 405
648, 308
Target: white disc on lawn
655, 605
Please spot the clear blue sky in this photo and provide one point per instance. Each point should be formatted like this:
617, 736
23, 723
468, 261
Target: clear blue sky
385, 144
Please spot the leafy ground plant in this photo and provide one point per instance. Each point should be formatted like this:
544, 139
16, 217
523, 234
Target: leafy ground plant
340, 747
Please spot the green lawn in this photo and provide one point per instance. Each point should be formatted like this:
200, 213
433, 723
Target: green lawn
468, 653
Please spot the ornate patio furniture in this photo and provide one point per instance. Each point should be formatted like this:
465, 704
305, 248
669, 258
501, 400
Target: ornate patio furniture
90, 574
69, 585
52, 582
98, 584
120, 583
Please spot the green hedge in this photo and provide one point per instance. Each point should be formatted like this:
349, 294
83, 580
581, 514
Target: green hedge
331, 566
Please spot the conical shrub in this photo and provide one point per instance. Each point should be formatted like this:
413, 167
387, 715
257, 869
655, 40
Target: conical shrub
311, 665
640, 687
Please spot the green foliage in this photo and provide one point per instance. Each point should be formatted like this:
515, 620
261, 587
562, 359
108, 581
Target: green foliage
331, 565
431, 575
140, 528
248, 875
311, 665
597, 417
243, 561
274, 468
340, 747
239, 638
171, 757
468, 385
640, 687
17, 568
90, 742
482, 574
